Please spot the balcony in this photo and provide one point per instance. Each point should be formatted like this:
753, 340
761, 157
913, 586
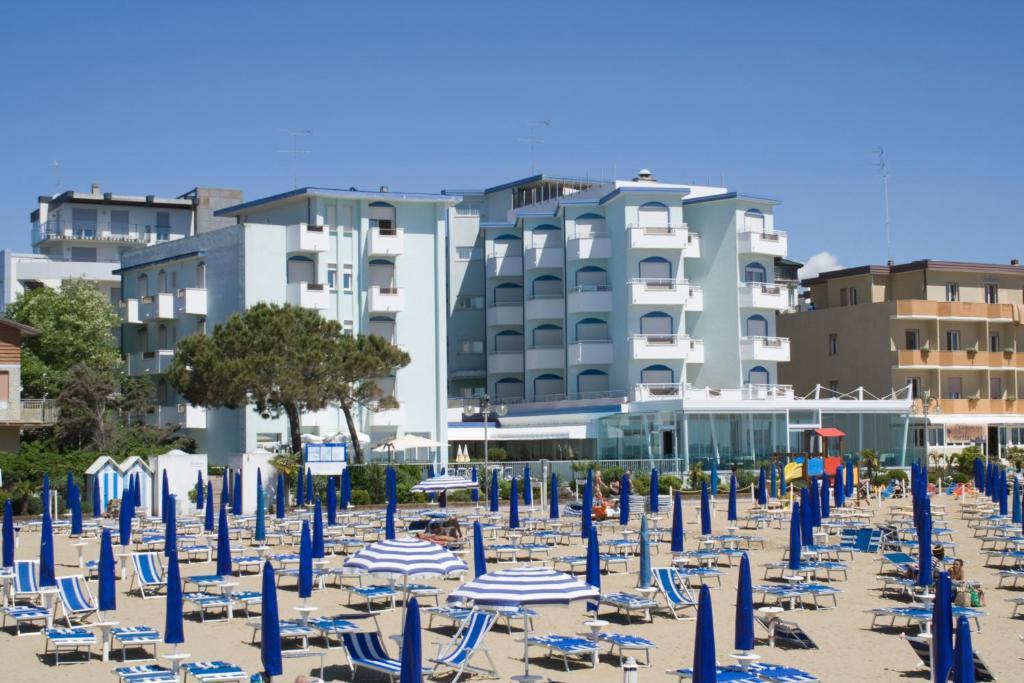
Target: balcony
128, 310
589, 246
657, 391
385, 299
55, 231
504, 266
592, 352
545, 307
190, 301
545, 357
961, 360
764, 295
665, 347
590, 299
767, 349
307, 295
664, 292
659, 237
504, 362
302, 237
156, 307
385, 242
977, 406
692, 248
29, 411
545, 257
505, 313
954, 310
182, 414
389, 417
150, 362
760, 242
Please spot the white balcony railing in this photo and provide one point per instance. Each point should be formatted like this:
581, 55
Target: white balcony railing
385, 299
190, 301
150, 362
761, 242
665, 292
665, 347
589, 299
666, 391
156, 307
307, 295
505, 313
764, 295
545, 307
128, 310
586, 246
386, 242
591, 352
302, 237
658, 237
768, 349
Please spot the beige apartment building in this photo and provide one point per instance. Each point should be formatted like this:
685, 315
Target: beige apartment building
948, 332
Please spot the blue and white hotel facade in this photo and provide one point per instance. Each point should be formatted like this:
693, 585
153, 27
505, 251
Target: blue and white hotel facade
633, 319
374, 261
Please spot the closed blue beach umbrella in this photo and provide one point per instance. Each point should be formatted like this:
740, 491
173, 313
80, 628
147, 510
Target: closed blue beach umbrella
223, 544
260, 533
593, 565
208, 511
270, 626
624, 492
744, 636
553, 497
479, 559
412, 648
527, 487
705, 666
654, 502
513, 506
332, 502
389, 524
107, 578
174, 626
677, 522
924, 551
474, 493
838, 494
795, 526
309, 487
8, 535
225, 496
775, 481
97, 502
815, 502
280, 504
200, 491
714, 477
823, 506
586, 514
705, 511
305, 562
1016, 501
849, 479
732, 516
300, 487
124, 520
806, 518
963, 654
75, 503
318, 530
762, 488
171, 528
493, 492
346, 489
646, 577
165, 491
942, 630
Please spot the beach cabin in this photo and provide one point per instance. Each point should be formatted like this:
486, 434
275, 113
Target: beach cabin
248, 464
110, 478
182, 469
135, 465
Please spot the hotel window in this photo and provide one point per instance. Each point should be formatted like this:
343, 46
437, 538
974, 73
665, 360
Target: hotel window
844, 297
995, 387
163, 225
991, 293
332, 276
993, 342
956, 387
833, 344
853, 296
465, 303
468, 209
913, 339
201, 326
468, 253
346, 278
915, 386
952, 291
953, 340
347, 327
471, 346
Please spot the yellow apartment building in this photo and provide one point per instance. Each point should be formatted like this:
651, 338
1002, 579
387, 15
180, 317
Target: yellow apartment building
950, 332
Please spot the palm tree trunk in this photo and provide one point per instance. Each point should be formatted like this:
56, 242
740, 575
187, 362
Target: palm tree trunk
291, 409
353, 432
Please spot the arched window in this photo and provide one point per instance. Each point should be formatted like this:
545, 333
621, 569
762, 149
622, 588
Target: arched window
757, 326
758, 375
653, 215
591, 381
591, 278
548, 335
381, 273
161, 337
592, 329
507, 245
753, 221
142, 339
161, 282
301, 269
383, 326
657, 374
548, 386
142, 285
755, 272
163, 393
201, 275
547, 286
382, 218
508, 293
589, 225
508, 341
655, 268
509, 387
656, 323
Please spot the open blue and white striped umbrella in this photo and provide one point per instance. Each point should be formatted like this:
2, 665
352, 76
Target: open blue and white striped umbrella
444, 482
407, 556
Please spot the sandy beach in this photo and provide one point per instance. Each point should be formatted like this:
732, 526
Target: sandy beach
849, 650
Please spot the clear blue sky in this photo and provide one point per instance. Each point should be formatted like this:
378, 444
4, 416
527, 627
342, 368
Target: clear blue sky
784, 99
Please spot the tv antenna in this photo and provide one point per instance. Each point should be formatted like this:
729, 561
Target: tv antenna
295, 152
533, 140
883, 170
56, 177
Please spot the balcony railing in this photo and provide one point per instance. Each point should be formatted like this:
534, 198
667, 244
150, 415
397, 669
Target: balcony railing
966, 310
102, 232
33, 411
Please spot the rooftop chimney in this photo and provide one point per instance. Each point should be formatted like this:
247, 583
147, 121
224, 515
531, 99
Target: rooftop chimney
95, 188
890, 263
1015, 262
644, 176
383, 188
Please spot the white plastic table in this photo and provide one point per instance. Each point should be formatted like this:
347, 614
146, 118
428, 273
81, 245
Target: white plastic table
105, 628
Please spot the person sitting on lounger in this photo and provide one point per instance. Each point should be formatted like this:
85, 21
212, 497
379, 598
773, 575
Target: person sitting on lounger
973, 594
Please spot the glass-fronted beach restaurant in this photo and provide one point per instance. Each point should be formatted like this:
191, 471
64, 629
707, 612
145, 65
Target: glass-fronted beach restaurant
707, 428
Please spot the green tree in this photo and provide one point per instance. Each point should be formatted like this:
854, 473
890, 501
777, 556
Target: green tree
362, 360
94, 402
75, 326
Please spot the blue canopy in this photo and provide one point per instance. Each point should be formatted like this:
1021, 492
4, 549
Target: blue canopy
412, 650
553, 510
174, 627
513, 506
479, 559
171, 530
223, 544
654, 502
305, 562
705, 511
677, 522
624, 492
280, 504
270, 626
705, 668
318, 530
744, 608
208, 511
107, 601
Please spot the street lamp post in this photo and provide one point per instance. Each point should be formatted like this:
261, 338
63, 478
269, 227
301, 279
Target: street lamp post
485, 408
928, 404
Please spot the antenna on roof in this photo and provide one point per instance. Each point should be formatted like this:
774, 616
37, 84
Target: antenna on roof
884, 172
56, 177
533, 140
294, 152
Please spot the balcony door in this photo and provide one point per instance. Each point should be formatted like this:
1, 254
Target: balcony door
653, 215
83, 223
301, 269
381, 273
592, 382
655, 268
757, 326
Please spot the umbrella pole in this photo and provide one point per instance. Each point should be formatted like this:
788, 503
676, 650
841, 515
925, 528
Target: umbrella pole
526, 641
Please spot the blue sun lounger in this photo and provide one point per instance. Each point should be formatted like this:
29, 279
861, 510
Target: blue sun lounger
135, 637
372, 595
145, 673
76, 599
209, 602
781, 674
923, 649
677, 595
723, 675
566, 646
213, 672
69, 640
334, 626
628, 604
148, 573
24, 614
622, 643
366, 651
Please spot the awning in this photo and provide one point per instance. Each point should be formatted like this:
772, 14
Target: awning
829, 432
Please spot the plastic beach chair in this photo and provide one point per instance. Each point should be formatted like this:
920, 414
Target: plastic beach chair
782, 632
466, 642
922, 648
566, 646
677, 595
213, 672
69, 640
366, 651
76, 599
148, 573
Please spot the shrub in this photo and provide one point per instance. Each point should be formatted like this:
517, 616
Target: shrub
360, 497
668, 483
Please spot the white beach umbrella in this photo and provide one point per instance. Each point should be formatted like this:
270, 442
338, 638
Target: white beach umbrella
444, 482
